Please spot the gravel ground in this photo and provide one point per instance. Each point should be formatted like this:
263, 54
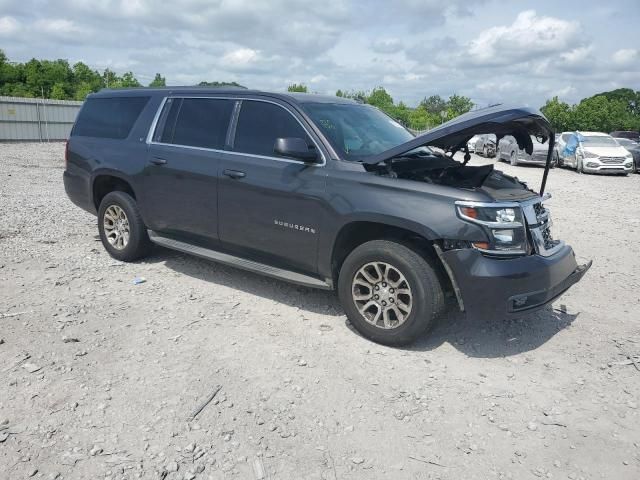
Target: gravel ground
99, 376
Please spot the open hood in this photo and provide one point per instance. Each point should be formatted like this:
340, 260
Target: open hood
520, 122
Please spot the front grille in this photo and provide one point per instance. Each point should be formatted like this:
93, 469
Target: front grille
539, 209
539, 224
612, 160
549, 242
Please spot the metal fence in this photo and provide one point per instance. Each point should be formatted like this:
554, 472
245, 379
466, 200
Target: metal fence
36, 119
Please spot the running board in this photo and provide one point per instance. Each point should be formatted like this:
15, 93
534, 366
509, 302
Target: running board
234, 261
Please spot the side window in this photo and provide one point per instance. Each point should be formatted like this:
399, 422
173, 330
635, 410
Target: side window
109, 117
260, 123
565, 137
194, 122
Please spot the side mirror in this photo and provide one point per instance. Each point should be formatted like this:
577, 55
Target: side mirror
297, 148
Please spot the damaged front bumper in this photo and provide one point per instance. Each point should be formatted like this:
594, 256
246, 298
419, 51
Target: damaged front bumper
489, 287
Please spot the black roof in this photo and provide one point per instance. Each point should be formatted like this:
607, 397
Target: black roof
232, 91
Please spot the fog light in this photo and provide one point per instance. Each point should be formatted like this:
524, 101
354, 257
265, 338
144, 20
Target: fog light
592, 165
627, 165
504, 236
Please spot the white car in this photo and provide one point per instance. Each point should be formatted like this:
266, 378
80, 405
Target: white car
471, 144
593, 152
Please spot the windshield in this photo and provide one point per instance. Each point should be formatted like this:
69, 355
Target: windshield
598, 141
357, 131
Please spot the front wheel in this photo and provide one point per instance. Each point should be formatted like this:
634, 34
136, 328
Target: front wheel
390, 293
513, 160
121, 228
579, 167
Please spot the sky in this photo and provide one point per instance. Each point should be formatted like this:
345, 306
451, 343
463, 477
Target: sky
491, 51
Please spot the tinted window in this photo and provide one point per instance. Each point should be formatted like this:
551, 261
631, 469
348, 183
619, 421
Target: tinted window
196, 122
355, 130
109, 117
259, 125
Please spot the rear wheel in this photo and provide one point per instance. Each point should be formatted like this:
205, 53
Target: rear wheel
390, 293
121, 228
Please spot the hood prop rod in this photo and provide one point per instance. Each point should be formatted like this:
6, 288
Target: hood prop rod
552, 142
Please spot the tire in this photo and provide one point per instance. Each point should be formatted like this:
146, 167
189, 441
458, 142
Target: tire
513, 159
485, 152
418, 277
579, 168
554, 161
560, 161
126, 249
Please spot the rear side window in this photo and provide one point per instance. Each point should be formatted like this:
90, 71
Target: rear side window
195, 122
109, 117
260, 123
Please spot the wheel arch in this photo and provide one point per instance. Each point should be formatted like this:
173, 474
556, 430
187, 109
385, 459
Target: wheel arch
106, 181
357, 232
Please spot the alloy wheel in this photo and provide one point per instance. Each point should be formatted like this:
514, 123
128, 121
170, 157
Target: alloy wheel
116, 227
382, 295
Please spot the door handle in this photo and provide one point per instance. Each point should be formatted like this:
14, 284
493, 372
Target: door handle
158, 161
234, 173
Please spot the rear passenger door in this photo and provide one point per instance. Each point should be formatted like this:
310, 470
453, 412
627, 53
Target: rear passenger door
267, 203
181, 175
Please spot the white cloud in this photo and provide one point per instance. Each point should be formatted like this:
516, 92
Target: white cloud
626, 56
577, 55
8, 26
240, 57
485, 49
56, 26
529, 36
387, 45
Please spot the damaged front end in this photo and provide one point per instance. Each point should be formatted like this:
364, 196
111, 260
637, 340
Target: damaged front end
518, 266
412, 161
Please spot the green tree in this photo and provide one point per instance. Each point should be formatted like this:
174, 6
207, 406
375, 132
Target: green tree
110, 79
58, 92
295, 87
457, 105
129, 80
434, 104
381, 99
339, 93
560, 114
158, 81
82, 90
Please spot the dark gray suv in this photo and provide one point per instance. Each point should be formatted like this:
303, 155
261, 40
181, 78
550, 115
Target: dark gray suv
323, 192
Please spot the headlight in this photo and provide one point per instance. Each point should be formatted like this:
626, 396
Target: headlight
589, 155
504, 227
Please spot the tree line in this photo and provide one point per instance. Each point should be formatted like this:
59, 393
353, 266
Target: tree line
604, 112
59, 80
615, 110
431, 111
